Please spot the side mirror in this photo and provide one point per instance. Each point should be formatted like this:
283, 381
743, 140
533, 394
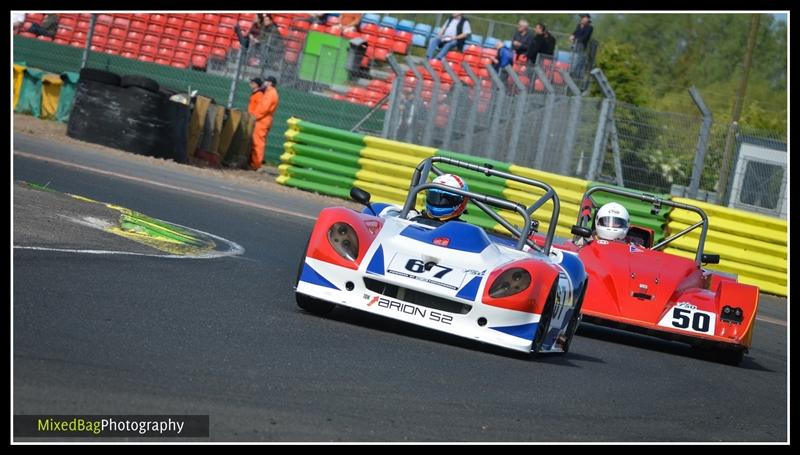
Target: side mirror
360, 196
709, 258
581, 231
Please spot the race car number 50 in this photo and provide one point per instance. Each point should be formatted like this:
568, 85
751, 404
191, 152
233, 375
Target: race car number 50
686, 316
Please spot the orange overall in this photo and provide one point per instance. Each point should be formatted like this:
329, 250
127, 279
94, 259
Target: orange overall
263, 112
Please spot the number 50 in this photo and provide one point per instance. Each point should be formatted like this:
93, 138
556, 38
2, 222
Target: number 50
699, 321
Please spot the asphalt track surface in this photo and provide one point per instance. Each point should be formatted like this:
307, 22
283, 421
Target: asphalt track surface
98, 334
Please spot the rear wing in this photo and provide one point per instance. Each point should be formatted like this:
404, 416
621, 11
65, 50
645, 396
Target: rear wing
584, 215
419, 183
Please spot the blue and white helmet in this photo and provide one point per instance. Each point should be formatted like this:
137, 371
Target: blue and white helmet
445, 205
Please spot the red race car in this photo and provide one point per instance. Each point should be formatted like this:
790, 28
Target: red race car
635, 286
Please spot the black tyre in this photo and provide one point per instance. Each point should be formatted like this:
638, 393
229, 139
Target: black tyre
729, 356
310, 304
104, 77
576, 318
545, 320
146, 83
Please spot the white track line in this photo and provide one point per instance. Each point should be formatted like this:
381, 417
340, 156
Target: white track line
166, 185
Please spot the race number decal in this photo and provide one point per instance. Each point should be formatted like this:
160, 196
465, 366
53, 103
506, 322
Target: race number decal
429, 272
686, 316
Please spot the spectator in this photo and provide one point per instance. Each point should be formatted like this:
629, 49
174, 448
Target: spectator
350, 22
17, 19
258, 89
543, 43
522, 38
322, 18
454, 33
263, 113
49, 26
503, 58
583, 33
262, 25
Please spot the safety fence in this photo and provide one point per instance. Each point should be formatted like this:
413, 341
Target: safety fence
42, 94
331, 161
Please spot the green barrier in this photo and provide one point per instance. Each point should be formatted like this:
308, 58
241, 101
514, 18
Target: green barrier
323, 154
323, 178
326, 131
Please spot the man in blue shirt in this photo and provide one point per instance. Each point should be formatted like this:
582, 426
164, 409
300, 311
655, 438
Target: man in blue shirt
503, 58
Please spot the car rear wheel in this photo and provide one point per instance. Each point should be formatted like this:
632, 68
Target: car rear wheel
545, 320
575, 320
729, 356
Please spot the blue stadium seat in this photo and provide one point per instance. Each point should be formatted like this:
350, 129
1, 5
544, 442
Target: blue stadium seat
389, 21
490, 42
405, 26
475, 39
370, 18
422, 29
419, 40
436, 30
563, 56
507, 43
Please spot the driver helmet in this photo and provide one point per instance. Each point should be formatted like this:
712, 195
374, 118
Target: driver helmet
444, 205
612, 222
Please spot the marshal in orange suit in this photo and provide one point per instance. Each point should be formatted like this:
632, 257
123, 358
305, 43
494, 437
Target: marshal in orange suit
263, 112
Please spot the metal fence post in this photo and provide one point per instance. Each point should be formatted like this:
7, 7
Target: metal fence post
610, 129
455, 97
469, 131
599, 139
568, 151
427, 138
519, 113
87, 48
235, 81
702, 142
397, 87
546, 120
494, 130
415, 104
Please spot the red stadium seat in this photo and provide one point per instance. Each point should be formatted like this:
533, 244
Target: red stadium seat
82, 26
302, 25
121, 22
155, 29
248, 16
181, 56
317, 28
171, 32
199, 61
175, 20
162, 61
127, 54
227, 21
130, 46
485, 61
381, 54
205, 38
74, 43
64, 34
384, 43
386, 32
351, 34
36, 18
482, 73
453, 56
68, 22
118, 33
158, 19
144, 58
212, 19
488, 52
222, 41
44, 38
124, 16
95, 48
405, 37
202, 49
60, 41
165, 53
179, 64
134, 36
194, 16
105, 19
191, 24
235, 44
369, 28
219, 52
445, 78
114, 44
101, 29
152, 40
148, 50
99, 41
138, 25
400, 47
168, 43
184, 45
79, 37
538, 85
140, 17
290, 57
111, 51
245, 26
472, 49
188, 35
211, 29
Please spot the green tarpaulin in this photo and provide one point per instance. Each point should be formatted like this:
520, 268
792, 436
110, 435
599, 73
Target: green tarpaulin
65, 100
30, 94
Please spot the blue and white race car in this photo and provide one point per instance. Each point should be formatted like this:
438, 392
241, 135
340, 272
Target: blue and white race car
450, 276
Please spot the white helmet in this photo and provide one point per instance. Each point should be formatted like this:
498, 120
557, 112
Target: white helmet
611, 222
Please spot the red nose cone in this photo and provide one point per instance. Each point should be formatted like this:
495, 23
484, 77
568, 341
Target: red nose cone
441, 241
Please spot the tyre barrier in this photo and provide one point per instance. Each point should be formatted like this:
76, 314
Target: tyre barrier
331, 161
